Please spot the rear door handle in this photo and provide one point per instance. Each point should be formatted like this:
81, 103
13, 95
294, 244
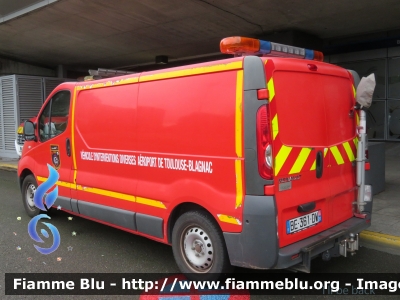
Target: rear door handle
320, 164
68, 146
306, 207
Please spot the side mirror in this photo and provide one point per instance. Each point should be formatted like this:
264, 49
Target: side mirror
29, 131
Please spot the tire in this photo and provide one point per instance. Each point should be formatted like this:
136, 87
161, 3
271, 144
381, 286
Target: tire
29, 187
207, 257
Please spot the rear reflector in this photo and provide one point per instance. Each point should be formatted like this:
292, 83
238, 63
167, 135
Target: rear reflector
262, 94
295, 256
269, 190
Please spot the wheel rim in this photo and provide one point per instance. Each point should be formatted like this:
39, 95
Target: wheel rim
197, 248
30, 193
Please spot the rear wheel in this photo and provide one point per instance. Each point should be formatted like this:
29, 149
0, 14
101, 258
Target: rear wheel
29, 187
199, 247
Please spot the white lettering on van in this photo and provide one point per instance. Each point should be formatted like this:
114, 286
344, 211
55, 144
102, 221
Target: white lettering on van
178, 164
204, 166
147, 161
175, 164
160, 163
127, 159
86, 155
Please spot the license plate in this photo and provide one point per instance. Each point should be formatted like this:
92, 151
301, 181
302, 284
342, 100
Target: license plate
303, 222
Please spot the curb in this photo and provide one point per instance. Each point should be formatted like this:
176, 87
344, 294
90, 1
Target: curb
8, 167
380, 241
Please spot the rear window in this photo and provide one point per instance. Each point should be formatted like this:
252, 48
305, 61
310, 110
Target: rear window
313, 109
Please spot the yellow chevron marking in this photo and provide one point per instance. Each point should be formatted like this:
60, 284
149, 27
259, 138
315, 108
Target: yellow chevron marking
281, 158
300, 161
357, 119
336, 154
349, 151
354, 91
271, 89
150, 202
229, 219
275, 128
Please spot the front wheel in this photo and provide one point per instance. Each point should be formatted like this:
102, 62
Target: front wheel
29, 187
199, 247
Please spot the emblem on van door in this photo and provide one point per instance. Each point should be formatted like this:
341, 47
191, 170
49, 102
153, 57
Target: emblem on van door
289, 179
55, 156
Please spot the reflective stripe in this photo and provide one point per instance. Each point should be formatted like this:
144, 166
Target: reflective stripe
229, 219
271, 89
107, 193
73, 135
354, 90
239, 183
193, 71
300, 161
238, 114
281, 158
59, 183
349, 151
275, 128
336, 154
121, 196
150, 202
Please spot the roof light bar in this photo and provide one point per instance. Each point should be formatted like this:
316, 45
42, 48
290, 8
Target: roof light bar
238, 46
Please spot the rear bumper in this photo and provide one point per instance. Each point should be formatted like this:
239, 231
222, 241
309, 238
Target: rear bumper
256, 247
319, 243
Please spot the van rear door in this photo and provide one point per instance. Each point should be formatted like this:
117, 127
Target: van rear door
310, 104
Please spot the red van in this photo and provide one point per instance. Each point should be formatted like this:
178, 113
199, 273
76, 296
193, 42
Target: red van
247, 161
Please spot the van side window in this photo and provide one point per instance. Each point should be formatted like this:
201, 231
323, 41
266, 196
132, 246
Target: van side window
54, 119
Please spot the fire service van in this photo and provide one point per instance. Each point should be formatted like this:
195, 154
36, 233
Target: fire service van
255, 161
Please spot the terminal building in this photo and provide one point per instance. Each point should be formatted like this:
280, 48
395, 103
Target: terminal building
46, 42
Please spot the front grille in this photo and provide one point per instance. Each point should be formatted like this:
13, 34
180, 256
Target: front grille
20, 139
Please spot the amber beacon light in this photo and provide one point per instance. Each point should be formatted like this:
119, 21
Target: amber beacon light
239, 46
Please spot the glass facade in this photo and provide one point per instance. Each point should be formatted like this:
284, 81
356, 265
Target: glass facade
383, 117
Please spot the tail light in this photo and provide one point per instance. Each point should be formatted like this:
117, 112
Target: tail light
264, 143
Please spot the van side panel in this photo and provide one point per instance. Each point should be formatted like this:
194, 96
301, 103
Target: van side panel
187, 125
104, 129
